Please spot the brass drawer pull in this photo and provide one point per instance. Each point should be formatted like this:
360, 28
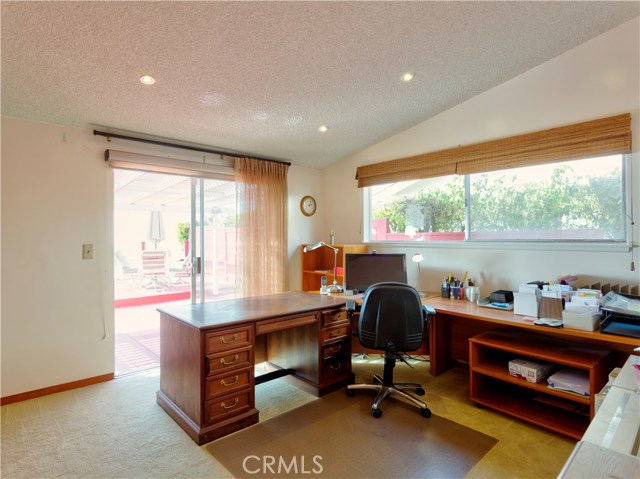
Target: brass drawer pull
235, 338
235, 403
224, 361
337, 332
336, 366
225, 383
335, 349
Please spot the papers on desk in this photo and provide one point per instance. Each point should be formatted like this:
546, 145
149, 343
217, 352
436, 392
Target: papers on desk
620, 304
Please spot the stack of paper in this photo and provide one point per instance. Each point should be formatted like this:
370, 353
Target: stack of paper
572, 380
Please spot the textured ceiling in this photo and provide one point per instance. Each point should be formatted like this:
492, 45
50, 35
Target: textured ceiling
261, 77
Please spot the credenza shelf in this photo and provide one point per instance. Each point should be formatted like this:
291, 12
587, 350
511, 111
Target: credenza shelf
497, 371
492, 386
514, 403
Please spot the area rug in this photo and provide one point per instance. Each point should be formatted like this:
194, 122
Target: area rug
337, 437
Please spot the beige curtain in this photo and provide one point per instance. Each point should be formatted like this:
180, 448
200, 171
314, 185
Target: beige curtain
262, 232
601, 137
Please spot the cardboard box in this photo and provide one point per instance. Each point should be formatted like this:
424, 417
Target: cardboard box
532, 371
584, 322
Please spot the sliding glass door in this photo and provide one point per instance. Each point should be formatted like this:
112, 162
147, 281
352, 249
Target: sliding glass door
174, 242
213, 239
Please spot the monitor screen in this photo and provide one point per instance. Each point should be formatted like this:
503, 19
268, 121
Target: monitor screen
363, 270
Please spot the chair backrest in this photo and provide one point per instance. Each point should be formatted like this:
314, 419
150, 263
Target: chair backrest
391, 312
153, 262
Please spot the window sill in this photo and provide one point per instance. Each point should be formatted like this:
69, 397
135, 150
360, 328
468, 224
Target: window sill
586, 246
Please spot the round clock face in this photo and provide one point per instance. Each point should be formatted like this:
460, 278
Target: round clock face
308, 205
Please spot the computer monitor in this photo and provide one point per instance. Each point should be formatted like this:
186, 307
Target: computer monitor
363, 270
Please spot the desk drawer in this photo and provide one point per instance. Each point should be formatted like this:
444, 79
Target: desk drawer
332, 318
228, 383
229, 360
228, 339
335, 333
336, 367
229, 405
335, 349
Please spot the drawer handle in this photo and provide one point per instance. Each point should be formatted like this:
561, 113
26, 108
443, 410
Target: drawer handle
224, 361
234, 338
335, 349
336, 366
338, 332
225, 383
235, 403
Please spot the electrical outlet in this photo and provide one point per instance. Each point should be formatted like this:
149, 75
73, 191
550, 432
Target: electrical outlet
87, 251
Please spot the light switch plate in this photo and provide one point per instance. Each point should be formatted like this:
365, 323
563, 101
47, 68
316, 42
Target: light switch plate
87, 251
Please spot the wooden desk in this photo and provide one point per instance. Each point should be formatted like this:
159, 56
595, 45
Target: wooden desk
208, 354
487, 339
458, 320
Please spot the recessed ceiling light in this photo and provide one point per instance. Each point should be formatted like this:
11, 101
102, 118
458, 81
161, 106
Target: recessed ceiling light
408, 76
147, 80
323, 128
213, 99
294, 120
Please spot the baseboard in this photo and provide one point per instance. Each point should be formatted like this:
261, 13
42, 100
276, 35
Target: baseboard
55, 389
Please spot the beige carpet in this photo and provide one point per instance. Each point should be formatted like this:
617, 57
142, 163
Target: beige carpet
337, 437
116, 430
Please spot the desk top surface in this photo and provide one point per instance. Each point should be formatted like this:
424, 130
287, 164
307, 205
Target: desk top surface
254, 308
471, 310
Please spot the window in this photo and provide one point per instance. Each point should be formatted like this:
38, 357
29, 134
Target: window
573, 200
418, 210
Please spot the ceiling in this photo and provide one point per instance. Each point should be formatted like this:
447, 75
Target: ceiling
260, 78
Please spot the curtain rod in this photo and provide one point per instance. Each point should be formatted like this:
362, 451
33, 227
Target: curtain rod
177, 145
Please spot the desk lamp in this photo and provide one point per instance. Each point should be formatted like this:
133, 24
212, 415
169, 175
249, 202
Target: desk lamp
335, 287
417, 258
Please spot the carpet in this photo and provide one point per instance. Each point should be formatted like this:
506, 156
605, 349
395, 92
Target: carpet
337, 437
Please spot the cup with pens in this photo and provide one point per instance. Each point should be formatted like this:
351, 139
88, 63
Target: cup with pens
454, 288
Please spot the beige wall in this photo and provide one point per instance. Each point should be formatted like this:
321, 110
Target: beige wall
596, 79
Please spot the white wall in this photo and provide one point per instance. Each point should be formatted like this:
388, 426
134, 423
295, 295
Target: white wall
596, 79
55, 197
56, 307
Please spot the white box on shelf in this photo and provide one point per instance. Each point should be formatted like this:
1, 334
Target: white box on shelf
584, 322
525, 304
532, 371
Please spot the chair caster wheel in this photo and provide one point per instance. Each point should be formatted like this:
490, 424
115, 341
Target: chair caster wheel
350, 392
426, 412
420, 391
376, 412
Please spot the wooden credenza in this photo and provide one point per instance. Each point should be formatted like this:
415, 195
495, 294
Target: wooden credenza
209, 351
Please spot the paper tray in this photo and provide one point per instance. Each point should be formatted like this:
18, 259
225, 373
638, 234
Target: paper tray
620, 324
486, 303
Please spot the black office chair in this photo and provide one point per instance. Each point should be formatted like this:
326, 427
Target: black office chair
392, 319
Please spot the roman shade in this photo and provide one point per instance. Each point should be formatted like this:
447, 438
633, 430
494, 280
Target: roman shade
601, 137
221, 169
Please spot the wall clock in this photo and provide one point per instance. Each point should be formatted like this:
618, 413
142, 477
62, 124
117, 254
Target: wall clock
308, 205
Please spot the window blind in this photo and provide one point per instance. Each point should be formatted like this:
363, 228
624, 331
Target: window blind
601, 137
222, 169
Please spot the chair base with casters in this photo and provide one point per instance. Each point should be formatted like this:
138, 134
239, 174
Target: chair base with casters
385, 385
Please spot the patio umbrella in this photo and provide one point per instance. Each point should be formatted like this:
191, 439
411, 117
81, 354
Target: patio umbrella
156, 228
